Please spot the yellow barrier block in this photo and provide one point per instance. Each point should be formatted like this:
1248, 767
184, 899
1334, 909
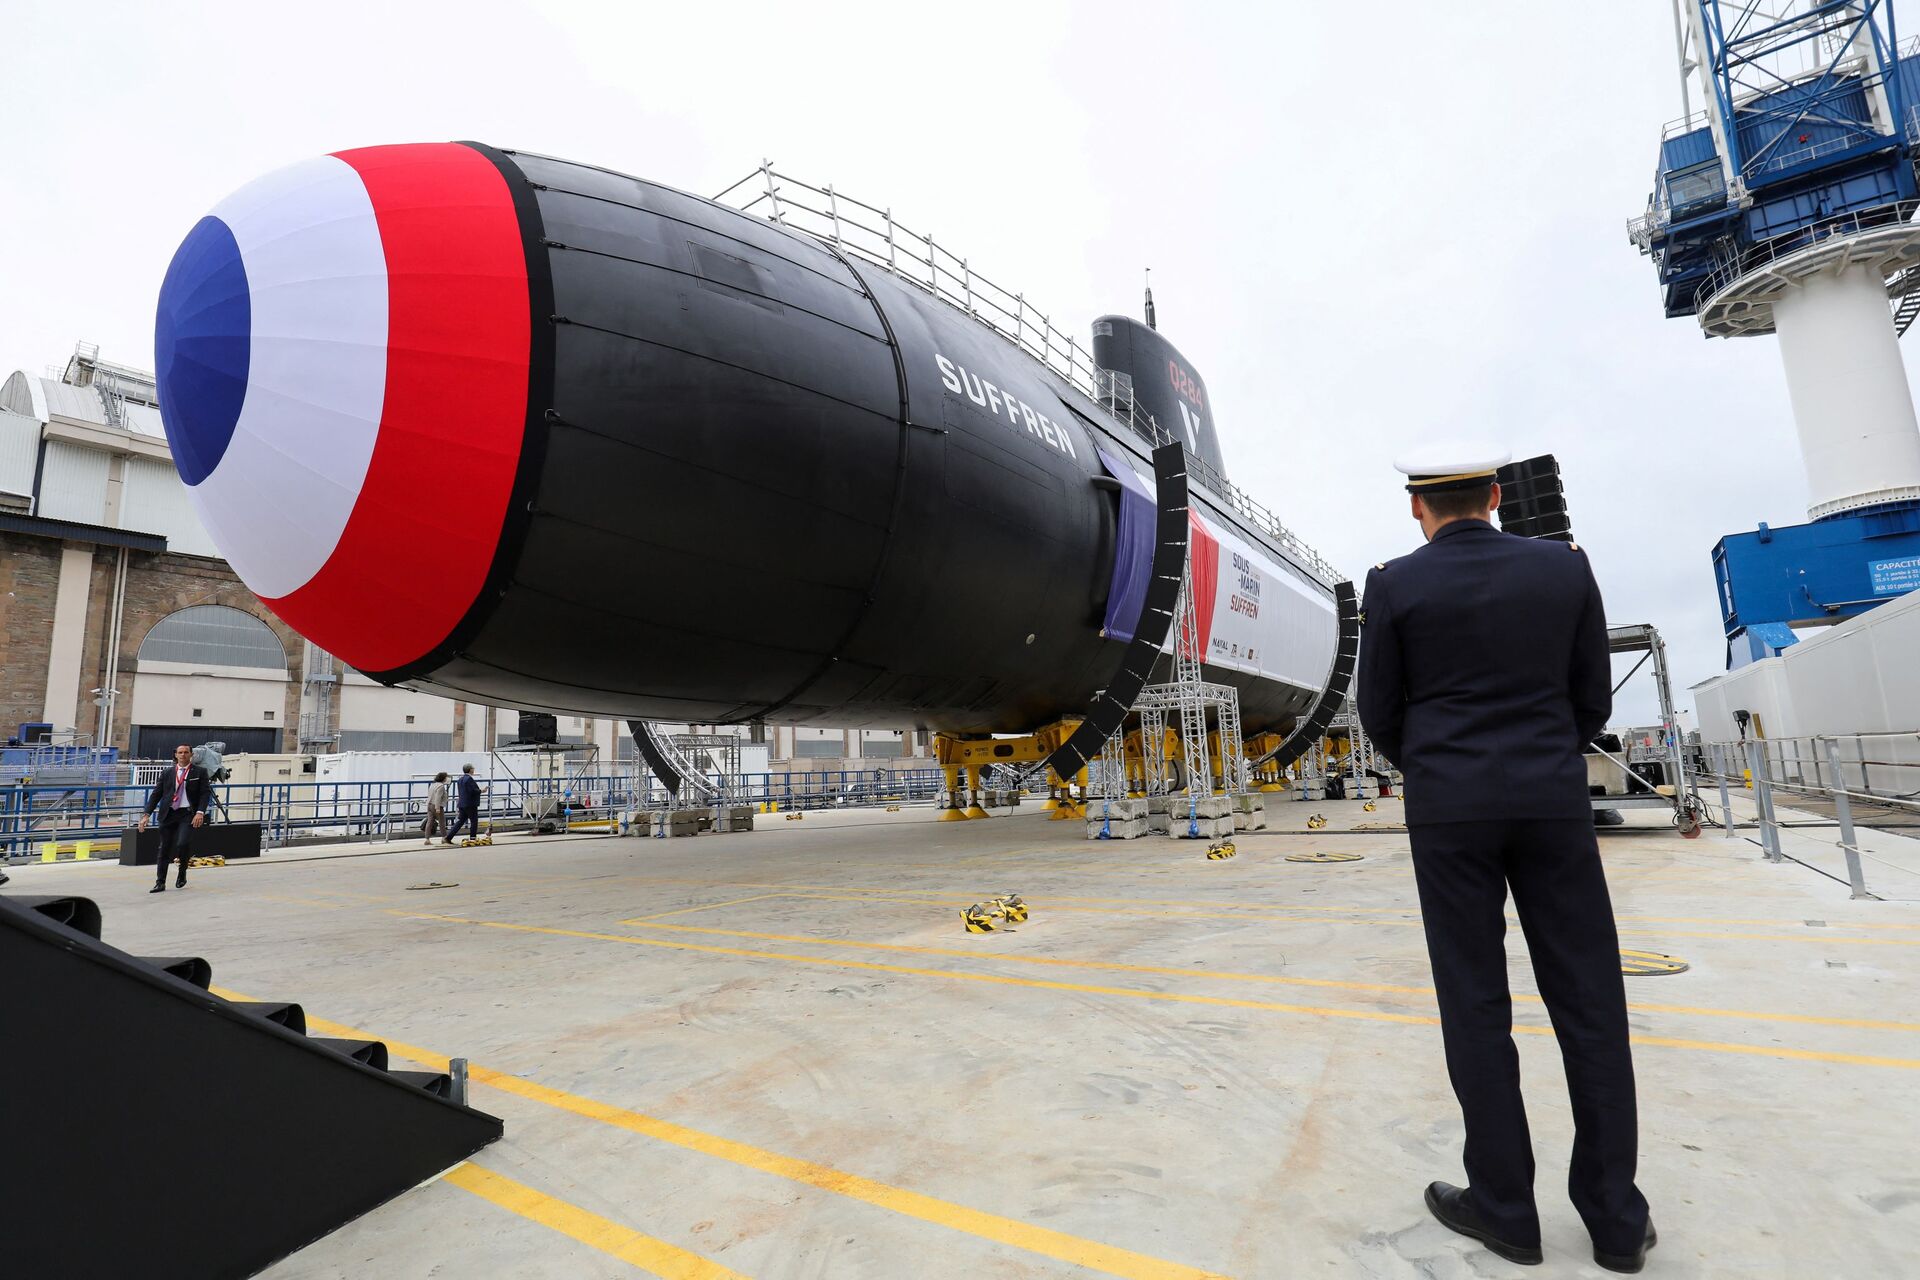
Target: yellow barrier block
49, 852
83, 850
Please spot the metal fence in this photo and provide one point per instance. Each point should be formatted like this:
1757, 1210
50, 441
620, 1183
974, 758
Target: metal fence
873, 235
1854, 795
35, 816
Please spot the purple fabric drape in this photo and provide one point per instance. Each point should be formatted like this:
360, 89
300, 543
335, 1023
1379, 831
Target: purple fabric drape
1132, 549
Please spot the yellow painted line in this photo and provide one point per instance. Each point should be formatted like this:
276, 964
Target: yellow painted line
646, 922
611, 1238
1091, 1254
709, 906
1811, 935
1388, 988
1055, 905
1361, 1015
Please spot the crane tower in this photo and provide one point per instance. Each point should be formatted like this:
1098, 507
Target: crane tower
1785, 205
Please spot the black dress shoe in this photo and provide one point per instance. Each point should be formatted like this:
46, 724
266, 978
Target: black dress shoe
1450, 1205
159, 888
1629, 1263
179, 884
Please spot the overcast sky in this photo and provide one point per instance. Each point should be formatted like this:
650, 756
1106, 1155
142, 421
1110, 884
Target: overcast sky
1369, 225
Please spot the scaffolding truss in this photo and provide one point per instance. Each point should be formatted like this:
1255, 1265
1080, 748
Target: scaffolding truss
1191, 701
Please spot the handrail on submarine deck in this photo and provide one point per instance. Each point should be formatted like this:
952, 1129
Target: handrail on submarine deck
914, 257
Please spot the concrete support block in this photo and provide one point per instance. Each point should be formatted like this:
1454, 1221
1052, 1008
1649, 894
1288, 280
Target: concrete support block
1250, 813
1116, 828
1121, 809
678, 822
1202, 828
1205, 806
733, 818
1312, 789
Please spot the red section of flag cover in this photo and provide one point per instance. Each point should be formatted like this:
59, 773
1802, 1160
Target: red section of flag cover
1203, 560
424, 529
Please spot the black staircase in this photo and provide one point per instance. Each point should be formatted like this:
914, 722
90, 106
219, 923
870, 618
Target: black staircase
150, 1128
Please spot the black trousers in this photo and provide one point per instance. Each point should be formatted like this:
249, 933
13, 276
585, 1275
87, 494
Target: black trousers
176, 835
468, 818
1464, 870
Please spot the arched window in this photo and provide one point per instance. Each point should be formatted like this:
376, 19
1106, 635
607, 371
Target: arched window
214, 635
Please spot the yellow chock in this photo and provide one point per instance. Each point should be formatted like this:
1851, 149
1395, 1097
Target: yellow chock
893, 808
1067, 811
1369, 806
1011, 905
978, 918
796, 817
953, 815
1220, 851
1315, 822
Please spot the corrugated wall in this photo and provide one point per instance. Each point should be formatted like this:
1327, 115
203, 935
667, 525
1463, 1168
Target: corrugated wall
73, 485
19, 444
153, 500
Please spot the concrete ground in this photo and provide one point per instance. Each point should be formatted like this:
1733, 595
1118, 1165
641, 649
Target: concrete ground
778, 1054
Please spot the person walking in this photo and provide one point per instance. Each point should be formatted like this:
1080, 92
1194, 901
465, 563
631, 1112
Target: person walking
437, 807
467, 791
1483, 674
180, 796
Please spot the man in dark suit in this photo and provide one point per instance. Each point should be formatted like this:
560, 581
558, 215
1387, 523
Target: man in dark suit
180, 796
1483, 674
466, 794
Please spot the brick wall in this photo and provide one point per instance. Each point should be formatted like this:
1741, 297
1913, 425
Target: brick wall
157, 585
29, 581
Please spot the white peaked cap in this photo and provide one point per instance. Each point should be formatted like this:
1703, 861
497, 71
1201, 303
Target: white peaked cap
1452, 464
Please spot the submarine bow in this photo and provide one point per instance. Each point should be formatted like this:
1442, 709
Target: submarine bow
538, 434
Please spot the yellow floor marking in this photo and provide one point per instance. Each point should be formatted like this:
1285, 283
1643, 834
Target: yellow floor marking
609, 1237
961, 901
1389, 988
1812, 935
1361, 1015
646, 922
1091, 1254
301, 902
709, 906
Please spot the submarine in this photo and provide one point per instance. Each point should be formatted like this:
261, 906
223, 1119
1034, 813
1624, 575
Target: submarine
535, 433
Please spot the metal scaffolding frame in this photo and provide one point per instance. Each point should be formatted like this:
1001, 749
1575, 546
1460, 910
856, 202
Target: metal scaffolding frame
1189, 699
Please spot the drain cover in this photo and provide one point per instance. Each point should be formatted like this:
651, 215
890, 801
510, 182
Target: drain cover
1650, 964
1323, 857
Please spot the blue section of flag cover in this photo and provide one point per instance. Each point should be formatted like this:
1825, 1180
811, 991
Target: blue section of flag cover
202, 338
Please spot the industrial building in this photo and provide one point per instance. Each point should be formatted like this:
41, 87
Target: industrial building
120, 625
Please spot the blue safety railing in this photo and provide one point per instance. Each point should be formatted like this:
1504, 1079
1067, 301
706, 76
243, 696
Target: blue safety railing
32, 816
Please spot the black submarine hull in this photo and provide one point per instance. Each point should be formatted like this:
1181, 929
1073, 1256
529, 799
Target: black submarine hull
762, 479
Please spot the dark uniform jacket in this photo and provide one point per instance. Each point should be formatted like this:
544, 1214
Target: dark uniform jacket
1484, 674
467, 791
160, 799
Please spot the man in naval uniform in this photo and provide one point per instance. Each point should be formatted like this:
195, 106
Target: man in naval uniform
1483, 674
